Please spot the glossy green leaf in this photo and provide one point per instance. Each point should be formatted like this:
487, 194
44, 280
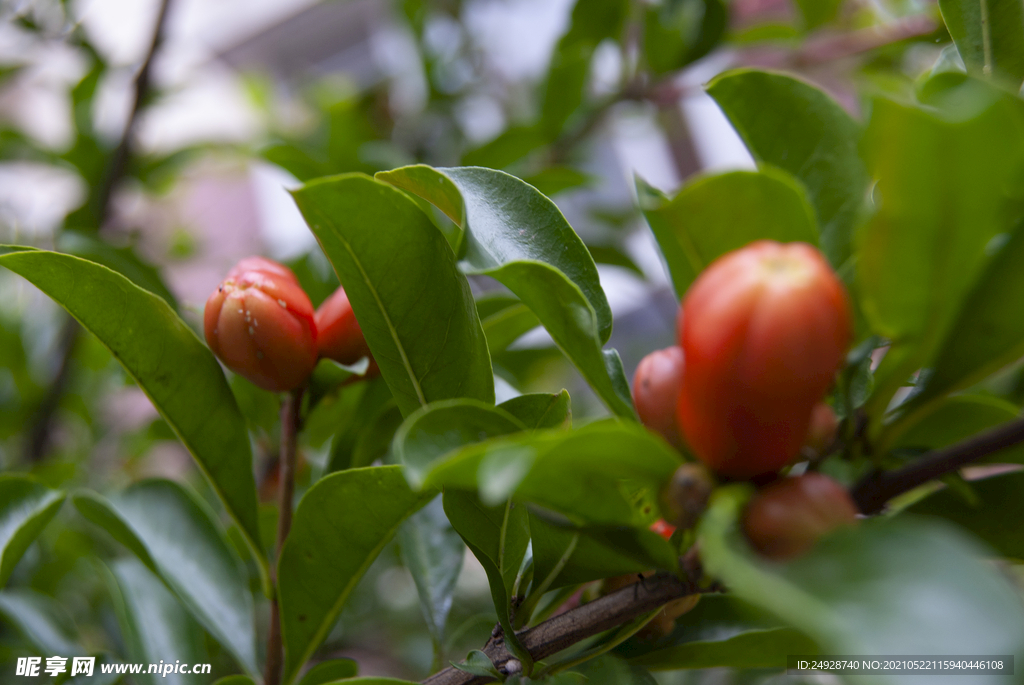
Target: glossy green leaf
678, 32
818, 12
954, 419
154, 625
989, 34
590, 475
328, 671
891, 586
716, 214
988, 331
720, 631
592, 21
946, 181
598, 552
432, 551
39, 619
792, 125
167, 360
442, 427
519, 237
998, 502
123, 260
541, 410
25, 508
340, 526
498, 537
413, 304
177, 538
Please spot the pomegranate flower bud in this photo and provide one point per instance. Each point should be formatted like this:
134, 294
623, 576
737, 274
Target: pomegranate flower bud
259, 322
338, 334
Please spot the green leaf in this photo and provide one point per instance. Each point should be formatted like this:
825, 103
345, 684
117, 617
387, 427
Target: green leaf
998, 502
541, 410
946, 177
178, 539
327, 671
792, 125
987, 333
432, 551
554, 179
818, 12
498, 537
376, 437
235, 680
413, 304
591, 475
479, 664
598, 552
716, 214
952, 420
989, 34
177, 372
25, 508
505, 327
720, 631
123, 260
154, 625
519, 237
511, 146
678, 32
373, 680
340, 527
40, 620
441, 427
592, 22
891, 586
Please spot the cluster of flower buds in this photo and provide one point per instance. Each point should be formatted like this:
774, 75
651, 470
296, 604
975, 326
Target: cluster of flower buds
261, 324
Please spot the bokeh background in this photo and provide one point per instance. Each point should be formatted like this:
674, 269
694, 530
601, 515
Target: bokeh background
174, 181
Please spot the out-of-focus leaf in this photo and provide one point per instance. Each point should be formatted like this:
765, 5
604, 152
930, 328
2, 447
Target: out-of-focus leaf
613, 256
998, 502
988, 331
610, 670
511, 146
176, 371
717, 214
477, 663
40, 620
443, 427
178, 539
554, 179
519, 237
341, 525
356, 420
498, 538
541, 410
505, 327
948, 179
818, 12
25, 508
375, 438
989, 34
590, 475
432, 551
720, 632
955, 419
796, 127
414, 306
893, 586
678, 32
598, 552
592, 22
329, 671
154, 626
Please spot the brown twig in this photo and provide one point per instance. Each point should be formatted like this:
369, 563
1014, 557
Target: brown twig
565, 630
119, 159
290, 423
39, 432
878, 487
